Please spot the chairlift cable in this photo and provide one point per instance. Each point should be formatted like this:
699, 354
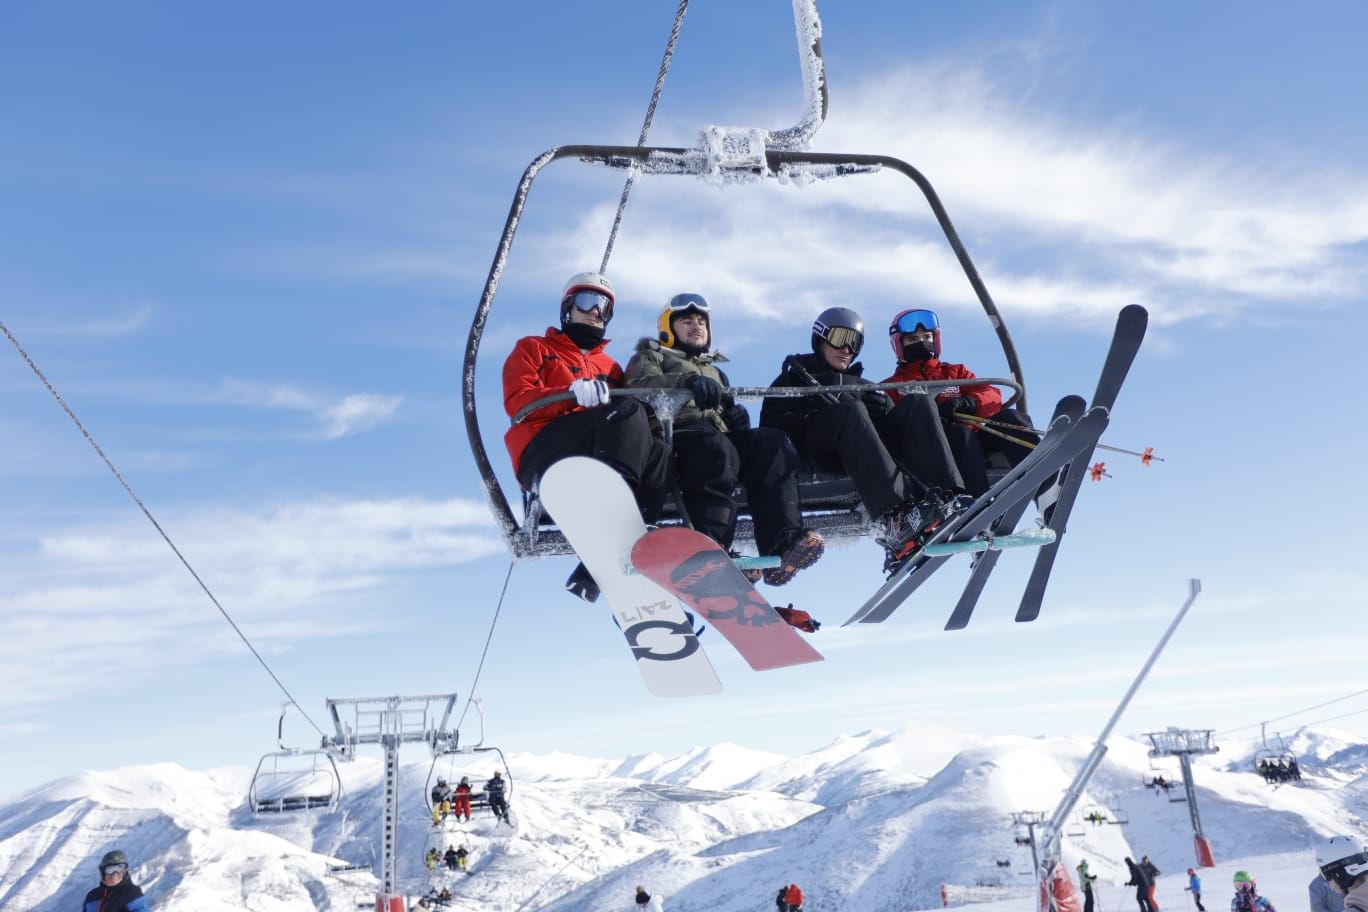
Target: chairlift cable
470, 695
1298, 712
156, 525
645, 129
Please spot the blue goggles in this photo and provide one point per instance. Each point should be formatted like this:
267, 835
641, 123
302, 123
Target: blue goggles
910, 321
587, 301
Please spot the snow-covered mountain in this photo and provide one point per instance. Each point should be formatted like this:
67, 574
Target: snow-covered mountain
874, 822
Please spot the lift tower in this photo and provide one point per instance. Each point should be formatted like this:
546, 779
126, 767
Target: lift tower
1183, 743
390, 722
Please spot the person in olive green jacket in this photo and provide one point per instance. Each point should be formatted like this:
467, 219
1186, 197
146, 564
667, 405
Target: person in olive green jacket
715, 447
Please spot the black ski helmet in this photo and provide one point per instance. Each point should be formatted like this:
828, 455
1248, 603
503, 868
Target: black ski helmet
833, 319
112, 858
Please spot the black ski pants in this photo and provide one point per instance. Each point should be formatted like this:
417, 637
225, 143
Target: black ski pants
914, 434
1142, 897
710, 462
842, 437
973, 447
618, 434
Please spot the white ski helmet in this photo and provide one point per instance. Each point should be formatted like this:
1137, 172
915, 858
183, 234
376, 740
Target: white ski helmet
587, 281
1342, 860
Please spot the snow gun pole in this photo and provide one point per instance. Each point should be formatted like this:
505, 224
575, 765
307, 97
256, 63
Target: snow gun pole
1049, 848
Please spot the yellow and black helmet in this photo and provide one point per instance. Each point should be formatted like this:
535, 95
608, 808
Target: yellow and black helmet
680, 305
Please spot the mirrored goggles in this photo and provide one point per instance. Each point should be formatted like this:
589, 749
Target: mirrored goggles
844, 337
913, 321
587, 301
113, 869
688, 302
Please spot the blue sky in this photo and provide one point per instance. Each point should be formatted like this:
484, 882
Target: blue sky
245, 245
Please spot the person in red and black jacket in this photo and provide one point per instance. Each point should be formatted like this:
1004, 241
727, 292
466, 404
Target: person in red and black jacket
616, 432
916, 339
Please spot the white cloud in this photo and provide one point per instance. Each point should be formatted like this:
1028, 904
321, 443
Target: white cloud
114, 324
288, 573
354, 413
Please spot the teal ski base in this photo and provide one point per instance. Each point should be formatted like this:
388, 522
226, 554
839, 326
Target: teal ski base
1027, 538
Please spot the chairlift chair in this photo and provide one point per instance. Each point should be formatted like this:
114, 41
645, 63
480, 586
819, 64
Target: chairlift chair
830, 504
294, 779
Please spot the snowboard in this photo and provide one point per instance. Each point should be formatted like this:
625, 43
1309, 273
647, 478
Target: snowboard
595, 510
697, 570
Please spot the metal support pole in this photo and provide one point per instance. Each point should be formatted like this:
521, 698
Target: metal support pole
386, 900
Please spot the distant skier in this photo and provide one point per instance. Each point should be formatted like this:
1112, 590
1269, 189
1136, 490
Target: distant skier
463, 859
451, 857
432, 858
498, 802
1085, 883
615, 432
791, 898
1195, 888
643, 899
463, 798
1152, 873
116, 892
1247, 898
1140, 880
1343, 861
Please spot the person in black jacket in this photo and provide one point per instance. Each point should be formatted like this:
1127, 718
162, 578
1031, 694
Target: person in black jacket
863, 435
1140, 880
117, 892
643, 899
498, 799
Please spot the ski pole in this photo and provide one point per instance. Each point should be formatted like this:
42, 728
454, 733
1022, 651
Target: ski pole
983, 424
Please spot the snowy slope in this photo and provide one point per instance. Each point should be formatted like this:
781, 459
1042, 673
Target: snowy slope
874, 822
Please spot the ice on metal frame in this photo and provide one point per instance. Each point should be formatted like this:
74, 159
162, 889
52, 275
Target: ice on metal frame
801, 175
732, 154
808, 28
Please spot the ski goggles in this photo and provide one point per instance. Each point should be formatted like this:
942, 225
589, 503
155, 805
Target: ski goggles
911, 321
684, 302
587, 301
107, 870
840, 337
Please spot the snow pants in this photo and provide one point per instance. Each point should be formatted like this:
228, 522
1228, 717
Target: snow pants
842, 437
1087, 901
1142, 898
618, 434
915, 436
709, 463
971, 448
463, 804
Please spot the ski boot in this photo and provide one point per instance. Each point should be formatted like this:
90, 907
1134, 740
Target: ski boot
910, 525
802, 551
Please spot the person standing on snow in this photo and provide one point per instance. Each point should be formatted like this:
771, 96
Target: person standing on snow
1085, 883
616, 432
116, 892
1152, 873
1247, 898
1195, 888
643, 899
862, 435
715, 445
1140, 880
793, 898
1343, 862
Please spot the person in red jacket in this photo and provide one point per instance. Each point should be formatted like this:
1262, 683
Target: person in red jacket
462, 795
616, 432
916, 339
793, 898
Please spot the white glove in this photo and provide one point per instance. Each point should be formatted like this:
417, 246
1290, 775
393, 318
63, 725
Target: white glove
589, 393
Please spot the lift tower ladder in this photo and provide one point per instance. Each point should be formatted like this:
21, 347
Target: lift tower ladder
390, 722
1183, 743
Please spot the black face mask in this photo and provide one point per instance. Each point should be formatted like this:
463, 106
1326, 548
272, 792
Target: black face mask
919, 351
584, 335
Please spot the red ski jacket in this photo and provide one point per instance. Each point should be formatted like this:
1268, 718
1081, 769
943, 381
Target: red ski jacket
541, 365
986, 396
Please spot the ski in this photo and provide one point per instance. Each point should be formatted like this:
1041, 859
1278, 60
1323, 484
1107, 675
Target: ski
983, 566
993, 540
1125, 344
698, 571
1019, 482
595, 510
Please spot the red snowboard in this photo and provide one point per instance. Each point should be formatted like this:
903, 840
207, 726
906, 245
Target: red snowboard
694, 568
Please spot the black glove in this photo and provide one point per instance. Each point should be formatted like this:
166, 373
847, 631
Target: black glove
877, 402
707, 392
736, 417
947, 407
